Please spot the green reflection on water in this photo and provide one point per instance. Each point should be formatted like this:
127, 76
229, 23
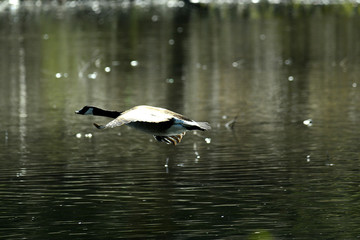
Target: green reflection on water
272, 65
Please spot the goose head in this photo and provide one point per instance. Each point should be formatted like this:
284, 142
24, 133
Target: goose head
87, 110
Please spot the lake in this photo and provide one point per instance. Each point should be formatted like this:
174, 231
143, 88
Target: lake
279, 84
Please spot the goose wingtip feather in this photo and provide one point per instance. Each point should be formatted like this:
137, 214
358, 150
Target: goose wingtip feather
99, 126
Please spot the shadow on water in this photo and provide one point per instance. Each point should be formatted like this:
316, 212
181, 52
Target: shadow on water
269, 177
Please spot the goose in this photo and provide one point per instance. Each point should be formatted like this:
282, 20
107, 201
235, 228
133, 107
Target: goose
165, 125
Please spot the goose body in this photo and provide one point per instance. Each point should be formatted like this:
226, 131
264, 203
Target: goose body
166, 126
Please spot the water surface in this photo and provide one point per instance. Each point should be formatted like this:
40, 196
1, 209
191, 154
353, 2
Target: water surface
269, 177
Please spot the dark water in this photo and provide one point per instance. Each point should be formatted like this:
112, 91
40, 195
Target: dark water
269, 177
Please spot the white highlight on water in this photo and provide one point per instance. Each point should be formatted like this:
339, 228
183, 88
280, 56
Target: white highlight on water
308, 122
134, 63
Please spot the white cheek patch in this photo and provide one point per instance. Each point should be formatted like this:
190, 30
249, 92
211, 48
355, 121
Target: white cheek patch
89, 112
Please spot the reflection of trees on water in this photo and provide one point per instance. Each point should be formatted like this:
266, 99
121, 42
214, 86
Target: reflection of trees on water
274, 66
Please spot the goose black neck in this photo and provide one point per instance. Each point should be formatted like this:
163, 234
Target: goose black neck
105, 113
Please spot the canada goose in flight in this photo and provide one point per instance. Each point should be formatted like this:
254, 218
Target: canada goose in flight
165, 125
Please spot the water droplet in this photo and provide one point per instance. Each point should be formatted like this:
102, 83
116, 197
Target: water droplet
354, 85
308, 122
291, 78
171, 42
58, 75
181, 4
134, 63
287, 62
96, 7
170, 80
88, 135
107, 69
78, 135
92, 75
155, 18
179, 29
208, 140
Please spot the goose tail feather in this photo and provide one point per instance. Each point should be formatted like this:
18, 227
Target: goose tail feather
205, 126
99, 126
